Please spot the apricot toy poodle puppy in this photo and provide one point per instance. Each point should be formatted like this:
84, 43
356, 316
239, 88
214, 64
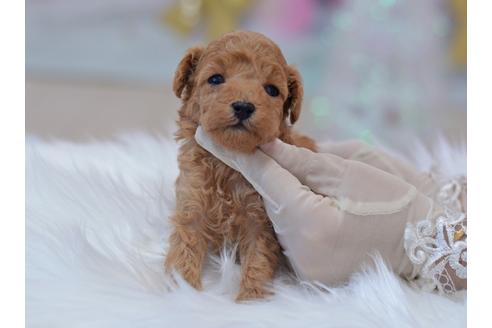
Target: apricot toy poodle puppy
242, 92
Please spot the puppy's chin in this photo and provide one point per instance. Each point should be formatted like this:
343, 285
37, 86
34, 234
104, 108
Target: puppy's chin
237, 138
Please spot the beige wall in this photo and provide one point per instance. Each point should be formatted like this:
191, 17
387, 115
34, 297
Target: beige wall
78, 110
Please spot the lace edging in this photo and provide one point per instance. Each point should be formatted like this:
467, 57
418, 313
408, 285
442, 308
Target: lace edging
438, 248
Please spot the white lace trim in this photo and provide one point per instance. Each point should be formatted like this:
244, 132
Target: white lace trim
450, 194
437, 246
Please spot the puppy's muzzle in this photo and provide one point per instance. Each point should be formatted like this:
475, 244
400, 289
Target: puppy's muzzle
243, 110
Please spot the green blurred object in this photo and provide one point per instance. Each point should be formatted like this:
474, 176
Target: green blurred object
216, 16
366, 136
320, 107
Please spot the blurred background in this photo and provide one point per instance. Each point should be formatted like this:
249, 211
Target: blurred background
387, 71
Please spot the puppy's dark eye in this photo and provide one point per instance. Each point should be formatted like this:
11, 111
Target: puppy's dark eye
271, 90
216, 79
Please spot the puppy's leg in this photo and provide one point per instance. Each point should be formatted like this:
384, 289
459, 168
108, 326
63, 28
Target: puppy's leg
186, 253
259, 253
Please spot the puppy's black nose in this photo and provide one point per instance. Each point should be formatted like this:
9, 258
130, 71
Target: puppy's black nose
243, 110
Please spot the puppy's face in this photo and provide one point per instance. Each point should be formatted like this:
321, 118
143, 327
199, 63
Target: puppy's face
240, 89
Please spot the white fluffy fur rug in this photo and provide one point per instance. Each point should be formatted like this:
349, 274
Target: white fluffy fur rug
97, 232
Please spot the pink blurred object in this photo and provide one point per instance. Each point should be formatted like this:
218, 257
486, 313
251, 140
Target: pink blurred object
296, 16
286, 17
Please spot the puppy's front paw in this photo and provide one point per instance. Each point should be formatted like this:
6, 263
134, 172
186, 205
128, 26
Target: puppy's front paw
190, 274
187, 250
194, 280
255, 293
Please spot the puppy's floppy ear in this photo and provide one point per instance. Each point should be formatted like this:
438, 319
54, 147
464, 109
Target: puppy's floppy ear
186, 68
293, 103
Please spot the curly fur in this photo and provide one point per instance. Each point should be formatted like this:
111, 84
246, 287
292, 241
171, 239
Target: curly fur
215, 205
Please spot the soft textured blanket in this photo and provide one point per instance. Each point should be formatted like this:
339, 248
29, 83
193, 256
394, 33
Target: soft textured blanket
97, 229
